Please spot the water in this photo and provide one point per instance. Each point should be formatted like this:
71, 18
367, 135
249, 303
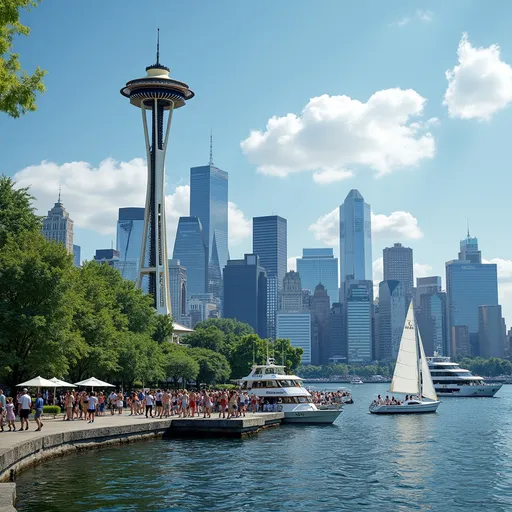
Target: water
459, 459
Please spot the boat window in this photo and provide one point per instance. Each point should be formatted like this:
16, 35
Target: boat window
257, 371
270, 371
287, 383
244, 385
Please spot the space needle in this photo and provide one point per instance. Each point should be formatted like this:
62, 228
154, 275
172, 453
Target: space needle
159, 95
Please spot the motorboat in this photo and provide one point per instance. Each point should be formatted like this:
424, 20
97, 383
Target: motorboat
345, 396
411, 376
357, 381
451, 380
285, 393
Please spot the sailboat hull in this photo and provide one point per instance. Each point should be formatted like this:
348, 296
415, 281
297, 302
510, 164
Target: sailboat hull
415, 407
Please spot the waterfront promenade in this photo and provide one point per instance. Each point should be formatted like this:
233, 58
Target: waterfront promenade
21, 449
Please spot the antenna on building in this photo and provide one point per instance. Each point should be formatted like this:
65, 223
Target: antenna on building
211, 147
158, 46
60, 190
467, 220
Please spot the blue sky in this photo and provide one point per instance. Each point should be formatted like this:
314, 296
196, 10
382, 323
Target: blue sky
433, 164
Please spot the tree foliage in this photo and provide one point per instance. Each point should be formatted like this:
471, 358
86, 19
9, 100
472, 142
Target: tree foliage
17, 88
213, 367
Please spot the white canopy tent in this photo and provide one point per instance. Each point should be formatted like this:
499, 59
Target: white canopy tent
57, 383
36, 382
93, 382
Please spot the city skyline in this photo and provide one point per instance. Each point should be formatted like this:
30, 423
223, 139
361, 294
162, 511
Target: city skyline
415, 207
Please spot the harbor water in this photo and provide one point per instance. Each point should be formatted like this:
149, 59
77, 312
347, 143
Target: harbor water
459, 459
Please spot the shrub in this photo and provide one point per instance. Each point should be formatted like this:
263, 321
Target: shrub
51, 409
225, 387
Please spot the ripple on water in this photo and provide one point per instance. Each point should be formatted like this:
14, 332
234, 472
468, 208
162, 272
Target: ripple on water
457, 460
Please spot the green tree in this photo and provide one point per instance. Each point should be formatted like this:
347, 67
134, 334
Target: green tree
162, 329
209, 337
227, 326
284, 351
36, 297
249, 349
213, 367
17, 214
180, 365
17, 88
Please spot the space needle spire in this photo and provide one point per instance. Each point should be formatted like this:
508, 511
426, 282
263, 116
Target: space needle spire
159, 95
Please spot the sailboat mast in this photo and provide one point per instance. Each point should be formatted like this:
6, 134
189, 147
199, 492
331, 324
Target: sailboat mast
420, 383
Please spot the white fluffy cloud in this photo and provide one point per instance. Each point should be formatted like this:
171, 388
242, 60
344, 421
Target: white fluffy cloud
398, 224
480, 84
419, 15
334, 133
291, 263
93, 195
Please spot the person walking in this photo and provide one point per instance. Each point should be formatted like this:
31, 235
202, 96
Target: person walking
39, 411
149, 404
24, 403
10, 415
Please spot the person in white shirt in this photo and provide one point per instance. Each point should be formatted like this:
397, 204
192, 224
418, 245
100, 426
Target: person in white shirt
25, 404
149, 404
93, 400
113, 402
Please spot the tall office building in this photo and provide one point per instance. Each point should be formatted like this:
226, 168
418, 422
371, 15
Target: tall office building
77, 256
178, 289
58, 227
320, 307
319, 266
245, 293
391, 319
201, 307
269, 242
355, 238
291, 296
398, 266
359, 320
190, 249
338, 351
209, 203
431, 315
469, 250
108, 256
492, 331
469, 285
296, 327
130, 226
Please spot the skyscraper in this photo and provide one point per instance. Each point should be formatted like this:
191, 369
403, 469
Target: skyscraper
355, 238
269, 242
291, 297
320, 308
491, 332
178, 289
77, 256
296, 327
209, 202
469, 285
108, 256
159, 94
130, 227
319, 266
190, 249
57, 226
359, 320
469, 250
391, 319
245, 293
398, 266
431, 314
338, 351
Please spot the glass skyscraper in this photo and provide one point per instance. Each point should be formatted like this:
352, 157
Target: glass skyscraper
269, 242
319, 266
355, 238
130, 225
190, 249
398, 266
469, 285
358, 320
209, 203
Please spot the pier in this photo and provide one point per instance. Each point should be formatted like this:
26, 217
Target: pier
22, 449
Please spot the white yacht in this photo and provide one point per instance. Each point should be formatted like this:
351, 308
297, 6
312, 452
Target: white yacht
356, 381
452, 380
285, 393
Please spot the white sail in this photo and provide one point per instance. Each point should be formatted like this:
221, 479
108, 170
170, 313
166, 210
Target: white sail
427, 386
406, 376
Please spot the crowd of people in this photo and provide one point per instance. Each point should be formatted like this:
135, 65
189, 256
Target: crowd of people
330, 397
392, 400
160, 403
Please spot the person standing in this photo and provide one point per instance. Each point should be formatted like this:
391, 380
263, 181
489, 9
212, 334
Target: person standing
149, 404
25, 403
112, 402
120, 402
3, 404
93, 400
39, 411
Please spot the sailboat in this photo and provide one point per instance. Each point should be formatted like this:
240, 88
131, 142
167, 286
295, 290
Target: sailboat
411, 376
